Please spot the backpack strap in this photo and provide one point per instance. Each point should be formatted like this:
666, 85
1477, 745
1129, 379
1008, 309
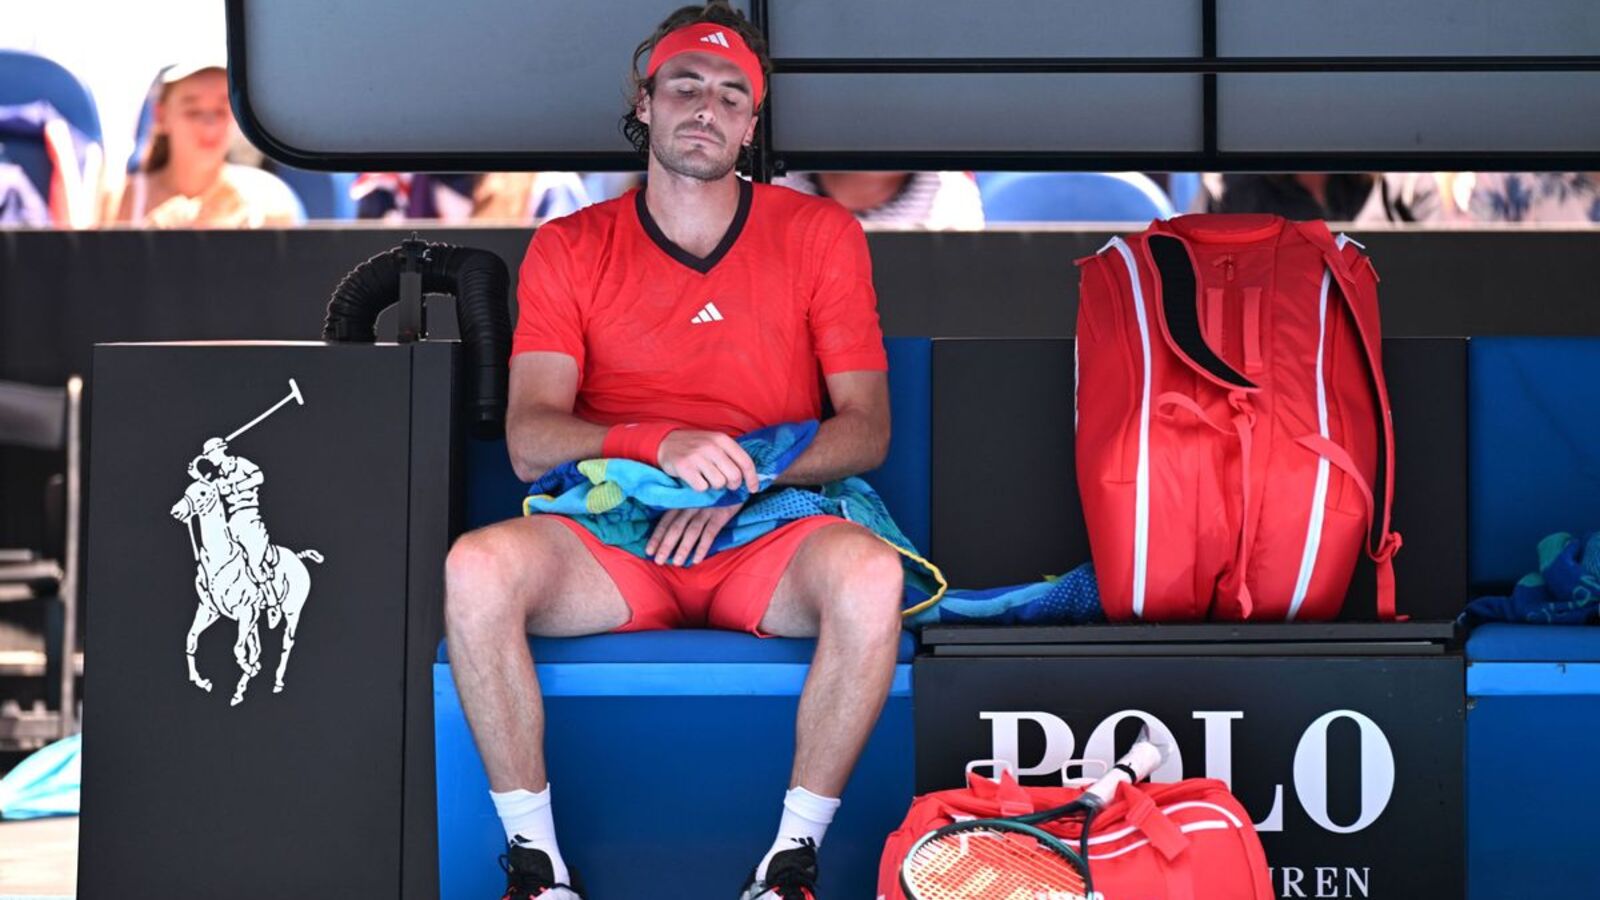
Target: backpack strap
1176, 288
1359, 290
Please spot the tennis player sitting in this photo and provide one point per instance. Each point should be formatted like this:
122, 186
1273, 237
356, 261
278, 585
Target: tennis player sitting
655, 327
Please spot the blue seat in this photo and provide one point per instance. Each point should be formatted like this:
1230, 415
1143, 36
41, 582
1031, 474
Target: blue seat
27, 78
1182, 187
1533, 448
1509, 642
1533, 695
985, 179
323, 195
699, 722
691, 645
1073, 197
1534, 468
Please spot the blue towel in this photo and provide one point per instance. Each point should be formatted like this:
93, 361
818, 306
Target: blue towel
1070, 599
1565, 590
620, 500
45, 784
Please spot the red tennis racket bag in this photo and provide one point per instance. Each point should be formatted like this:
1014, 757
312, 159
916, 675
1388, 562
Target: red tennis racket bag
1235, 449
1185, 841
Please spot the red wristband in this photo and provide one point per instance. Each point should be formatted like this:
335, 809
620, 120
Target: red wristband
638, 441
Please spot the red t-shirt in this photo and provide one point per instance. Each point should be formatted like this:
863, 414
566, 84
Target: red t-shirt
732, 342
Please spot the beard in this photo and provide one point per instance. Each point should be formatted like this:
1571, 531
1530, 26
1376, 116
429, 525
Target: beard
702, 166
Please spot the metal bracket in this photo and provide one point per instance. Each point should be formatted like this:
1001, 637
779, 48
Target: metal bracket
413, 313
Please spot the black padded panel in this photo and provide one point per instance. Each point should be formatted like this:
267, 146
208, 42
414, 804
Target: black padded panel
1004, 501
1181, 307
1428, 394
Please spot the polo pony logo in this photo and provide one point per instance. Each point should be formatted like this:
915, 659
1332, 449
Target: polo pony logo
240, 574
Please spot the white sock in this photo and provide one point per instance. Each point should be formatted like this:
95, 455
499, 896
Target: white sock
806, 817
528, 822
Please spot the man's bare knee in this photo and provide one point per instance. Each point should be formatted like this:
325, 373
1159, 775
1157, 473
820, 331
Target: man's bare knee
866, 583
487, 575
528, 575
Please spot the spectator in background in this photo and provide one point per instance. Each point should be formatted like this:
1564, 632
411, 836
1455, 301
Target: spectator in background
1359, 197
1443, 196
1536, 197
20, 202
185, 180
398, 196
520, 197
936, 200
523, 197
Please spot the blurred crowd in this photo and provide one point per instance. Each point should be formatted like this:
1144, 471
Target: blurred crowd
80, 149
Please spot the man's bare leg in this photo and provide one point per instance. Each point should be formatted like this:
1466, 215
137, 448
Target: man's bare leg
502, 583
843, 586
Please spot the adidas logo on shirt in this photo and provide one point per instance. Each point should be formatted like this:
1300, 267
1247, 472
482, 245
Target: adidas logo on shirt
716, 37
707, 313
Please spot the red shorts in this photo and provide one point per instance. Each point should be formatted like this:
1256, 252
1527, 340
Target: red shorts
729, 590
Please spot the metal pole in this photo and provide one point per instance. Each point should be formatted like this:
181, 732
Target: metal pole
69, 565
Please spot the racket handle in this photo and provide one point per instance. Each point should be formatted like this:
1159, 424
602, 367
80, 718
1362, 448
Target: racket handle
1144, 757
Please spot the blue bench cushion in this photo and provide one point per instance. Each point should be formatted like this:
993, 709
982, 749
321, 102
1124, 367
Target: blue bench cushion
1506, 642
685, 646
1533, 449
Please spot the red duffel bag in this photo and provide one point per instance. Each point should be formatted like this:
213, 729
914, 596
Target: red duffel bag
1190, 840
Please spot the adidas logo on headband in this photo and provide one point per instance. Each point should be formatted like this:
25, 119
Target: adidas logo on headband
717, 40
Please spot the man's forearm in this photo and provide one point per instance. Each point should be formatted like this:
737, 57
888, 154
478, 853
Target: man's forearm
540, 440
847, 444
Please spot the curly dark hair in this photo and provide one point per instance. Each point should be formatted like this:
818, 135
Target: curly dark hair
716, 12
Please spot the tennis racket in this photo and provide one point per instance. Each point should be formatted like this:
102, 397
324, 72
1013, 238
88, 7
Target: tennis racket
1013, 858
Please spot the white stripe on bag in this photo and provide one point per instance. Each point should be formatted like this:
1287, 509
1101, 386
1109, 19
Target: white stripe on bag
1141, 490
1176, 807
1319, 495
1210, 825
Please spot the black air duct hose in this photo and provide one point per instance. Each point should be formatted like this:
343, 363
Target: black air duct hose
476, 278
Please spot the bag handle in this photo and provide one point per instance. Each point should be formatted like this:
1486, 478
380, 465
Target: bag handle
1012, 798
1165, 837
1148, 819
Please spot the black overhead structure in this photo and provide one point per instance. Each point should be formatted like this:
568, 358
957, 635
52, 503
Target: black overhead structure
1183, 85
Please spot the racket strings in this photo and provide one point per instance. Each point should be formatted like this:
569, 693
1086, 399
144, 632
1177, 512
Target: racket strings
992, 865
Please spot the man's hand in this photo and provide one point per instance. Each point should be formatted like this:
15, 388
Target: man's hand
682, 532
707, 459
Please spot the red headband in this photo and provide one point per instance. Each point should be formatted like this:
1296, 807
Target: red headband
717, 40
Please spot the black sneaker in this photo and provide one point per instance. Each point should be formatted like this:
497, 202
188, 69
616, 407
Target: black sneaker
792, 875
529, 874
